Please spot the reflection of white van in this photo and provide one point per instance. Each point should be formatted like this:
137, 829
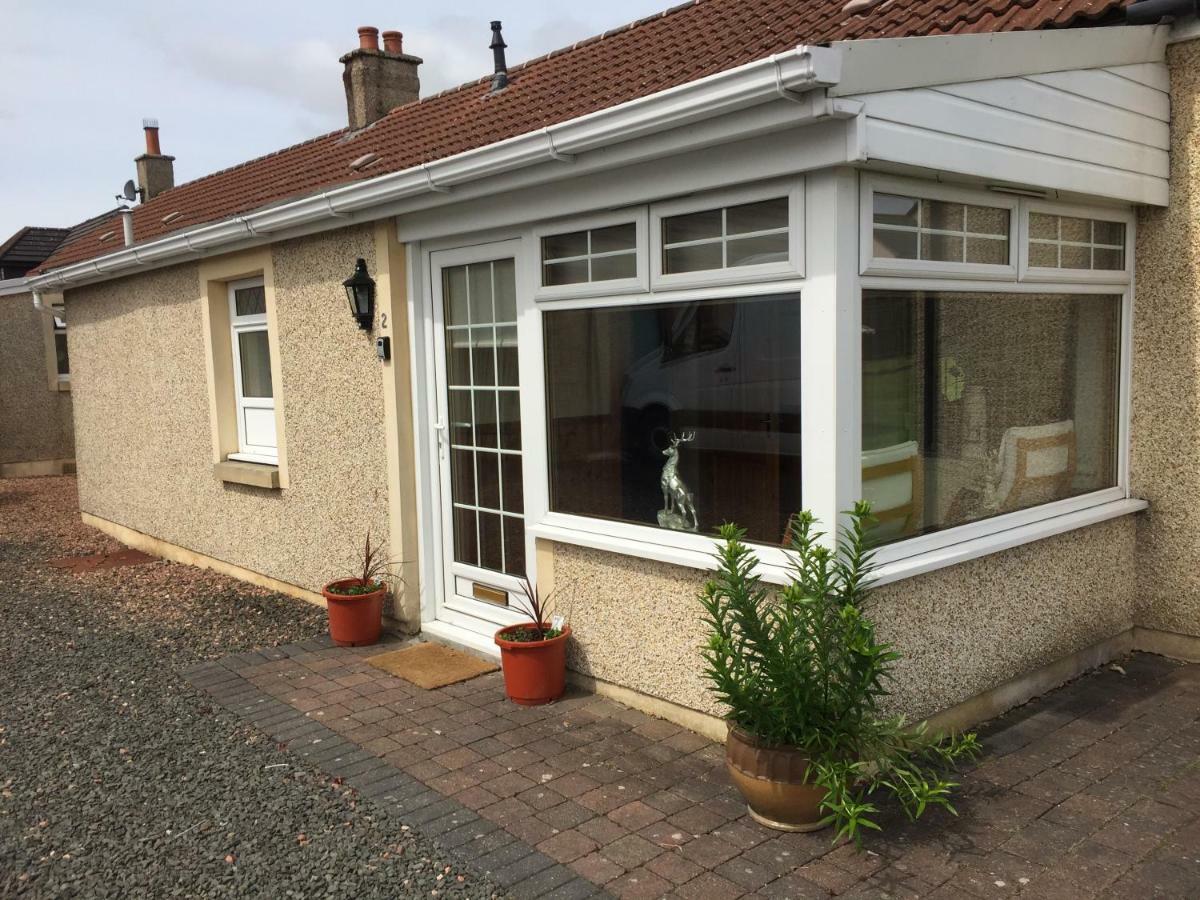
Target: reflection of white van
727, 369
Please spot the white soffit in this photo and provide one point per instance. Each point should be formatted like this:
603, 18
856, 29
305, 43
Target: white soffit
892, 64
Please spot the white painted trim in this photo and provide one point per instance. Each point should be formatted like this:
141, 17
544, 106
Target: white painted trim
792, 188
774, 566
780, 76
462, 636
909, 187
591, 222
1005, 540
890, 64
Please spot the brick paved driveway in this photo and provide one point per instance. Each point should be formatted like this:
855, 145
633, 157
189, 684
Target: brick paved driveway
1091, 791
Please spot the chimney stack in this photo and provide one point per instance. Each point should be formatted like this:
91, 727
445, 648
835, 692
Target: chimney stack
155, 172
377, 81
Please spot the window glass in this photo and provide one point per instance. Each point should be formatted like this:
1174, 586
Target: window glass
250, 301
256, 363
484, 426
700, 400
62, 359
939, 231
744, 235
1069, 242
578, 257
978, 404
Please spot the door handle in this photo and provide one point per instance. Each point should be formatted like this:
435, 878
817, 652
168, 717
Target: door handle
723, 370
440, 428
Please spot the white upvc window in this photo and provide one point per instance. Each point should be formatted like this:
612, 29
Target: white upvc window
730, 236
62, 360
1075, 243
594, 255
254, 395
911, 227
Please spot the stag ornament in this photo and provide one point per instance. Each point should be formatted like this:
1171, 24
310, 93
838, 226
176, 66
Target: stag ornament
679, 511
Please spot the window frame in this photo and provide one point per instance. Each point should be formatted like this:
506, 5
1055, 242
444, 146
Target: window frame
628, 538
1089, 276
869, 264
640, 282
239, 325
793, 267
62, 380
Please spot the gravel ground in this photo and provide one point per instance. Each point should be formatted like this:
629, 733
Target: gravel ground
117, 779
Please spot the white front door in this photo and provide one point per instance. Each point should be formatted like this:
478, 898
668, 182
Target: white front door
483, 548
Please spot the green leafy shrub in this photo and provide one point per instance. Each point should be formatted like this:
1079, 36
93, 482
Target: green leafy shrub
801, 666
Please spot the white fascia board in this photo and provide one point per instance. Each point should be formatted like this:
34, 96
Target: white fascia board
891, 64
787, 75
1186, 28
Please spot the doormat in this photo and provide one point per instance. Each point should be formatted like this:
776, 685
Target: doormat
431, 665
78, 565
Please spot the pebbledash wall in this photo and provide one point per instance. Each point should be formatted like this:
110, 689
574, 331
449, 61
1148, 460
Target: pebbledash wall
35, 416
962, 630
1166, 384
143, 431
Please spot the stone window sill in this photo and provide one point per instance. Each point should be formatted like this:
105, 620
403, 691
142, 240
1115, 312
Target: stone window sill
259, 475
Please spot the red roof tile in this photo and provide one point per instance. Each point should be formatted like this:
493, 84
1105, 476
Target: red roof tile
645, 57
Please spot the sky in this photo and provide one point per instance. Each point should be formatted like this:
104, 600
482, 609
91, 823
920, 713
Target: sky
228, 81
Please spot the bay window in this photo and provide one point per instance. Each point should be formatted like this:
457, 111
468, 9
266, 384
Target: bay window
965, 369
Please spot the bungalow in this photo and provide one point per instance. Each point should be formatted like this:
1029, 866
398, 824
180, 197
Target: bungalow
734, 260
36, 436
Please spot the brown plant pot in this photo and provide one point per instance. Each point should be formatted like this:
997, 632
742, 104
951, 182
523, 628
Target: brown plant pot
355, 620
535, 672
772, 779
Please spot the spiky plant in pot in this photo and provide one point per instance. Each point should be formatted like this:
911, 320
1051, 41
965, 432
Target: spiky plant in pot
802, 674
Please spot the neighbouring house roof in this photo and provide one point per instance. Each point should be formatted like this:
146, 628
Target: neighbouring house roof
29, 246
677, 46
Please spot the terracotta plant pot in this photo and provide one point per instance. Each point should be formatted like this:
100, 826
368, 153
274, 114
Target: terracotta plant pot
355, 620
535, 672
772, 781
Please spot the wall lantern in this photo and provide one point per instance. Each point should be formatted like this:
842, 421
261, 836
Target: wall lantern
360, 291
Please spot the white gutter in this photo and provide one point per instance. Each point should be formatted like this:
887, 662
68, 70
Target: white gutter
787, 75
11, 286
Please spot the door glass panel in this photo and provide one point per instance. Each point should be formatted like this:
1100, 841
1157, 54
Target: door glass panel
484, 415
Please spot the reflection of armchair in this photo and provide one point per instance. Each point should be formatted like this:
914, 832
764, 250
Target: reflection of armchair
890, 476
1035, 464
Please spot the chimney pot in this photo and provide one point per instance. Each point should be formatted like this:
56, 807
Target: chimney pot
150, 127
155, 171
376, 83
368, 38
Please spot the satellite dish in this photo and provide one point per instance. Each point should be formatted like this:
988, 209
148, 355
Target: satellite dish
130, 192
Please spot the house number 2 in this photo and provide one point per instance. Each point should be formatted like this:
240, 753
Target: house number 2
383, 320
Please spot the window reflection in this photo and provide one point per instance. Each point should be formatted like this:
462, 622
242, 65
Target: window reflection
978, 404
621, 381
